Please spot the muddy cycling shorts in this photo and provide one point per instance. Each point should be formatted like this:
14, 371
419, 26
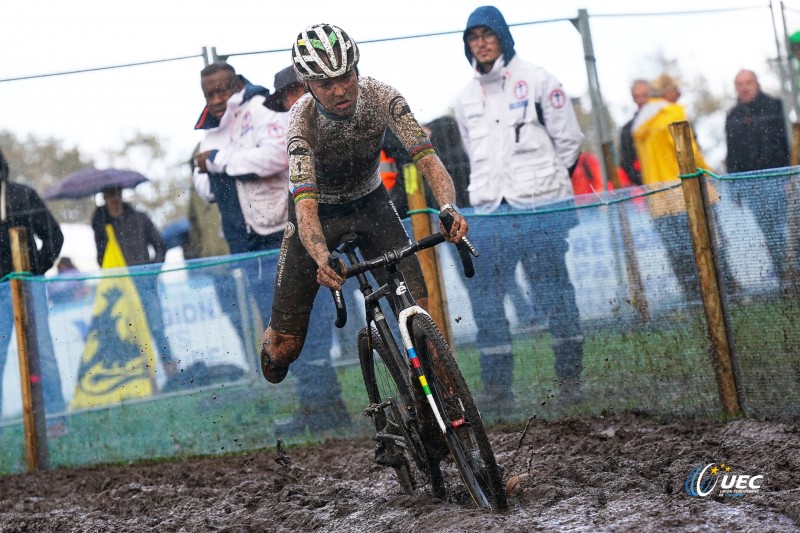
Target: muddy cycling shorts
373, 219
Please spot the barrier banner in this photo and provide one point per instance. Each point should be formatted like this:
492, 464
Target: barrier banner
118, 359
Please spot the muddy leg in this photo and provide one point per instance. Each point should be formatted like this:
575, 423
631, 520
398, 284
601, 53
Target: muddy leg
278, 351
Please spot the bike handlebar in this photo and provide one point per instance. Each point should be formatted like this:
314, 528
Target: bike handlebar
465, 251
464, 247
338, 298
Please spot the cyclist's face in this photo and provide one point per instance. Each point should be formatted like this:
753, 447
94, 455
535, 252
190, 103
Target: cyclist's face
337, 95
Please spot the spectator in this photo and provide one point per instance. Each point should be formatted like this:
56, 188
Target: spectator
67, 290
656, 150
20, 206
136, 235
755, 130
240, 166
243, 165
515, 112
588, 176
446, 140
628, 160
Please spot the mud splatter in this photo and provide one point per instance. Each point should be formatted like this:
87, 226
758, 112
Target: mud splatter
620, 473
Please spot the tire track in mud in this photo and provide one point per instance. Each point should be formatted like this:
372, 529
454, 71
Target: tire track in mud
622, 473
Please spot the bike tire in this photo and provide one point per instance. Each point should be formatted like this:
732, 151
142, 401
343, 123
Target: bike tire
387, 380
466, 436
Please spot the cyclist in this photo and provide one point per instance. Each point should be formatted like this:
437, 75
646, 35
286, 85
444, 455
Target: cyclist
335, 136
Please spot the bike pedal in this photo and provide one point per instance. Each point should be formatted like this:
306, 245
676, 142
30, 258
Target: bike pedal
389, 460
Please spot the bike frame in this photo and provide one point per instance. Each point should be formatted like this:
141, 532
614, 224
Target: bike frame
404, 308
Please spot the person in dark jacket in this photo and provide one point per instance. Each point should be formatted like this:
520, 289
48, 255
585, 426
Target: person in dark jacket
20, 206
628, 159
136, 235
755, 130
446, 140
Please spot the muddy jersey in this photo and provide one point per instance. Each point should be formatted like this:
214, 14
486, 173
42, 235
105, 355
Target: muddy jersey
336, 159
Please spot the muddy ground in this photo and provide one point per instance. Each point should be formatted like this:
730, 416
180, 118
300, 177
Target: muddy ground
620, 473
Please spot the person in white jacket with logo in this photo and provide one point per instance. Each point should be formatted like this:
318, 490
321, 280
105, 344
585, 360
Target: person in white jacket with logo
243, 165
523, 140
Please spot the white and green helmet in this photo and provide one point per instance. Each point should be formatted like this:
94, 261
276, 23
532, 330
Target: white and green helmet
323, 51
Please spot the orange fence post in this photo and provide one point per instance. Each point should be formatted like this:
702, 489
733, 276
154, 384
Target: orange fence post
638, 298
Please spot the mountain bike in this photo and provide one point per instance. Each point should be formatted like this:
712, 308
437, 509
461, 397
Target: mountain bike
419, 402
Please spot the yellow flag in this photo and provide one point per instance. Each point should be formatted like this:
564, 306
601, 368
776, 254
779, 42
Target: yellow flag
118, 359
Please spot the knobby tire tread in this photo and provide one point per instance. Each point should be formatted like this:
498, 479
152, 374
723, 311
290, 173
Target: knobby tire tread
447, 376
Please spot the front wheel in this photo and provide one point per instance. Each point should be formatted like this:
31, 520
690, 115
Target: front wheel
393, 412
465, 435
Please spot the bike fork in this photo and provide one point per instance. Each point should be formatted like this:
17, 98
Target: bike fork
402, 320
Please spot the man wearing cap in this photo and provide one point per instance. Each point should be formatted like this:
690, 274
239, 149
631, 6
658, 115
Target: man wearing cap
288, 90
523, 141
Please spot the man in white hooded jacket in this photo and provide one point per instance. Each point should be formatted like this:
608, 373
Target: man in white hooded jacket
523, 140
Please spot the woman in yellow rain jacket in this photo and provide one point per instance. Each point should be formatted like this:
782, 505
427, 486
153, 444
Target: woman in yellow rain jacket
656, 150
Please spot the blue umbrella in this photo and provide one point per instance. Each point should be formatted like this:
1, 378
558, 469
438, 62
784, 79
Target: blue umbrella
91, 181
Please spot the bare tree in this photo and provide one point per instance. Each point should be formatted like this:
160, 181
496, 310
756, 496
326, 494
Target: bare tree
166, 197
40, 163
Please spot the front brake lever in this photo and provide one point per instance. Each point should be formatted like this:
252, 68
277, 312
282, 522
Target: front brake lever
465, 248
338, 297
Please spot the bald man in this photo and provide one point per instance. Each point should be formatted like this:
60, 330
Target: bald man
628, 159
755, 130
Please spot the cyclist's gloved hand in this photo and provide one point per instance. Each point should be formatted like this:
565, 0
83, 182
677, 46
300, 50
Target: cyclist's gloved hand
328, 277
458, 229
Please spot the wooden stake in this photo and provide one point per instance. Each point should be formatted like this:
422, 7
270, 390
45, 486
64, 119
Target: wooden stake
638, 297
791, 199
422, 226
32, 402
709, 288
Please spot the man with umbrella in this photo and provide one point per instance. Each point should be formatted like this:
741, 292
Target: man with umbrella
21, 206
136, 234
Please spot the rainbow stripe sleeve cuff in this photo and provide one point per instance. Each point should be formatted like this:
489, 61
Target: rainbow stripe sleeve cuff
421, 150
305, 191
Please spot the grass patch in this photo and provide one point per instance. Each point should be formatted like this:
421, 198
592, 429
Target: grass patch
662, 368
